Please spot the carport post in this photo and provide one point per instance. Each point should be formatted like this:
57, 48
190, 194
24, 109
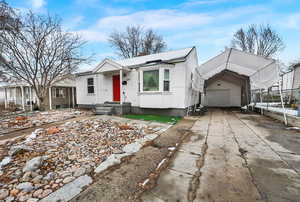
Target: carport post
6, 101
261, 103
298, 114
282, 104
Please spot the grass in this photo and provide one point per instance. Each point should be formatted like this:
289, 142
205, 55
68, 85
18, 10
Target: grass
156, 118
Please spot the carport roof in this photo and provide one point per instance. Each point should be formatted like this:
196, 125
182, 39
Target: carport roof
263, 72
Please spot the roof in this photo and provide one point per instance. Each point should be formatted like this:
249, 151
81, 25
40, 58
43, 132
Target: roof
262, 71
164, 56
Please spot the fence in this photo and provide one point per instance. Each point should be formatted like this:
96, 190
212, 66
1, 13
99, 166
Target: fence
271, 100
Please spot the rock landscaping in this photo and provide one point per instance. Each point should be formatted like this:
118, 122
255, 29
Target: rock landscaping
34, 119
41, 165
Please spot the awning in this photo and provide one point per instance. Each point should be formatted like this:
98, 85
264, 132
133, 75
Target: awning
263, 72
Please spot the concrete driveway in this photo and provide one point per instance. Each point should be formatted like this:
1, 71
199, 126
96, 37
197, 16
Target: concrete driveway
232, 156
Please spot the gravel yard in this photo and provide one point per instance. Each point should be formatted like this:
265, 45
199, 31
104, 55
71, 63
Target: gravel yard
32, 167
12, 122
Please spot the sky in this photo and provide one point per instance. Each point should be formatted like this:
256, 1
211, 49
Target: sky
206, 24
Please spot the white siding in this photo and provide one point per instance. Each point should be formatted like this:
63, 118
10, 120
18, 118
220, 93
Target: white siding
191, 96
296, 83
180, 95
221, 86
81, 90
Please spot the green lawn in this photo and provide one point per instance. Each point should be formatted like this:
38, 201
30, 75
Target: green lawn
157, 118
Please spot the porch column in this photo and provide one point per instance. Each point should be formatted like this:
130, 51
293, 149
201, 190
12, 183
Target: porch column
15, 96
121, 86
50, 98
5, 101
73, 96
30, 98
298, 103
69, 96
22, 97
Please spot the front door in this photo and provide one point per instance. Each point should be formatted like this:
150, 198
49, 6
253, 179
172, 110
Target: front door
116, 88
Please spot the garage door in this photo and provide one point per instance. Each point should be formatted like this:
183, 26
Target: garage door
218, 98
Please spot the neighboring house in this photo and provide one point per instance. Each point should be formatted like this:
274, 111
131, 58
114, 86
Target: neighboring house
296, 80
62, 94
230, 76
153, 84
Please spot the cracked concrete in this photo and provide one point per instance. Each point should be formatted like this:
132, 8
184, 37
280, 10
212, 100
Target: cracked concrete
232, 157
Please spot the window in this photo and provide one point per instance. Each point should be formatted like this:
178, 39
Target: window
59, 93
166, 80
151, 80
90, 86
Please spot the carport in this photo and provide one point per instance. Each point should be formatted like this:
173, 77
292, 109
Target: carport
229, 78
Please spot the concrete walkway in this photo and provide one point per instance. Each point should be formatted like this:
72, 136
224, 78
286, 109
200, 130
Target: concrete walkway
232, 157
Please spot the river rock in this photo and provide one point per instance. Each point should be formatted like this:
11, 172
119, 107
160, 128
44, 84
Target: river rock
68, 179
25, 187
33, 164
80, 171
3, 193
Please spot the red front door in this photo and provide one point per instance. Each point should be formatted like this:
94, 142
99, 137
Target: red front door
116, 88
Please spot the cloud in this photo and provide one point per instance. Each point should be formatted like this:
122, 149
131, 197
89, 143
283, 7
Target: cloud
293, 21
37, 4
205, 2
91, 35
156, 19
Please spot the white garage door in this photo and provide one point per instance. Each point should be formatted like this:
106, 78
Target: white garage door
218, 97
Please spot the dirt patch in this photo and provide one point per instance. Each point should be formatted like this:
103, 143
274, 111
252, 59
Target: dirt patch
287, 138
122, 183
174, 135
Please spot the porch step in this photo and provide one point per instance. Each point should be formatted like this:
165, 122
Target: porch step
101, 110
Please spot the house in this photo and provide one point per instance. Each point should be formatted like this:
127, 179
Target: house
153, 84
296, 79
230, 76
62, 94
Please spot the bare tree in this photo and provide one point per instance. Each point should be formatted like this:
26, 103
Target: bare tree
136, 41
40, 52
260, 40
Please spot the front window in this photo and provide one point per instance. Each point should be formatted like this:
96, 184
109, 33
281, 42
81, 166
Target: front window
151, 80
90, 85
59, 93
167, 80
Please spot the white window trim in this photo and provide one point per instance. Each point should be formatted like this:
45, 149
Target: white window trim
166, 80
87, 86
161, 71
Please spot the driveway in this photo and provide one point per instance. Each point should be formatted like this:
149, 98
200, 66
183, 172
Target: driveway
231, 156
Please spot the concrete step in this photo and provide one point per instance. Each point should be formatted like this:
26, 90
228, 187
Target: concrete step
104, 110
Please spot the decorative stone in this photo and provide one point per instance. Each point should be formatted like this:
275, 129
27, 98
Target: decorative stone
25, 187
32, 200
46, 192
70, 190
3, 193
68, 179
33, 164
10, 199
37, 193
79, 172
37, 179
50, 176
26, 177
18, 150
14, 192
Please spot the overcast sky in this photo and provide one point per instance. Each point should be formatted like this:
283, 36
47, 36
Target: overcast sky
206, 24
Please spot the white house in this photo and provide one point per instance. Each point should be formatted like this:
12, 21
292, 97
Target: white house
229, 77
153, 84
21, 95
296, 78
